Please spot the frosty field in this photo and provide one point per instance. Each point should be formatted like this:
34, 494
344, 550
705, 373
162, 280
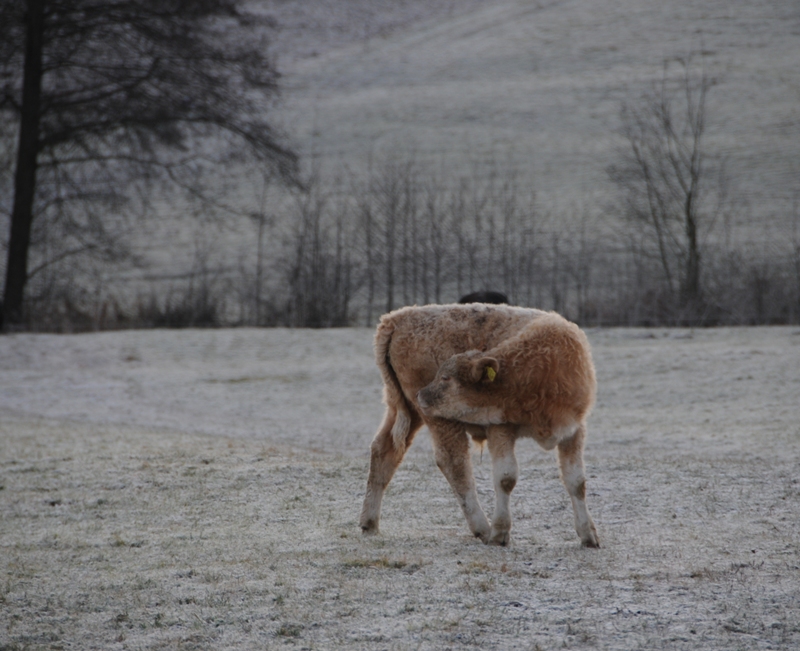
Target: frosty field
201, 490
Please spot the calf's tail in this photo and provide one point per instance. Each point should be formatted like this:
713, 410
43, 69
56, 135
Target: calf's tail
397, 405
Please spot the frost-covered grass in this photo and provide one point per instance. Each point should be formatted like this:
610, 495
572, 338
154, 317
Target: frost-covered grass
201, 489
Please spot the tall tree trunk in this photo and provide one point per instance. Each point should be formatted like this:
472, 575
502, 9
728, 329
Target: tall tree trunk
25, 175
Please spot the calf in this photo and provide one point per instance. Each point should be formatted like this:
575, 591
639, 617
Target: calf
497, 373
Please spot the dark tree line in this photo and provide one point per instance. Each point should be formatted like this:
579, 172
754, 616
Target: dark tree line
401, 236
101, 96
341, 253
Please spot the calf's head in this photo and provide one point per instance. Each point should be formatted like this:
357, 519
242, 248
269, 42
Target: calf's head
461, 390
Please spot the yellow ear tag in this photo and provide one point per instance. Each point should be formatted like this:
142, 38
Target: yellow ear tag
491, 374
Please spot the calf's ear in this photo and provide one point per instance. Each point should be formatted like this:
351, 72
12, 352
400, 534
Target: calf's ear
485, 370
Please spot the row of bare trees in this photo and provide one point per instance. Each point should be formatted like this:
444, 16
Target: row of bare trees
343, 253
402, 237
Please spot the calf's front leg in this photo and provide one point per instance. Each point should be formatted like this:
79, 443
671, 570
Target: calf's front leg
501, 440
451, 447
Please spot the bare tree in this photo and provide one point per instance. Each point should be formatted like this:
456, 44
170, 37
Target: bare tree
437, 241
321, 270
389, 193
585, 245
672, 186
262, 219
367, 225
103, 92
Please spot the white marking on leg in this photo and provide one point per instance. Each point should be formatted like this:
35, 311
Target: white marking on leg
476, 518
371, 510
574, 477
505, 472
575, 481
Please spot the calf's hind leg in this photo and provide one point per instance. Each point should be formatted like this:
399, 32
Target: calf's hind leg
505, 471
451, 446
570, 459
384, 459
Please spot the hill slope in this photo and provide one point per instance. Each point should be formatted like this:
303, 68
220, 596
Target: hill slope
540, 85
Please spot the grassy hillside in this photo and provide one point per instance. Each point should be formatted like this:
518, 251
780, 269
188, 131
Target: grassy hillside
537, 86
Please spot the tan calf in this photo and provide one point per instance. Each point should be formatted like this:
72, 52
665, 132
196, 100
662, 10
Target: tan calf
497, 373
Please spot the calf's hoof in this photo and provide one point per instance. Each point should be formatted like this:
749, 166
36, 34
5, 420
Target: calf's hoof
591, 540
369, 527
482, 535
501, 538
